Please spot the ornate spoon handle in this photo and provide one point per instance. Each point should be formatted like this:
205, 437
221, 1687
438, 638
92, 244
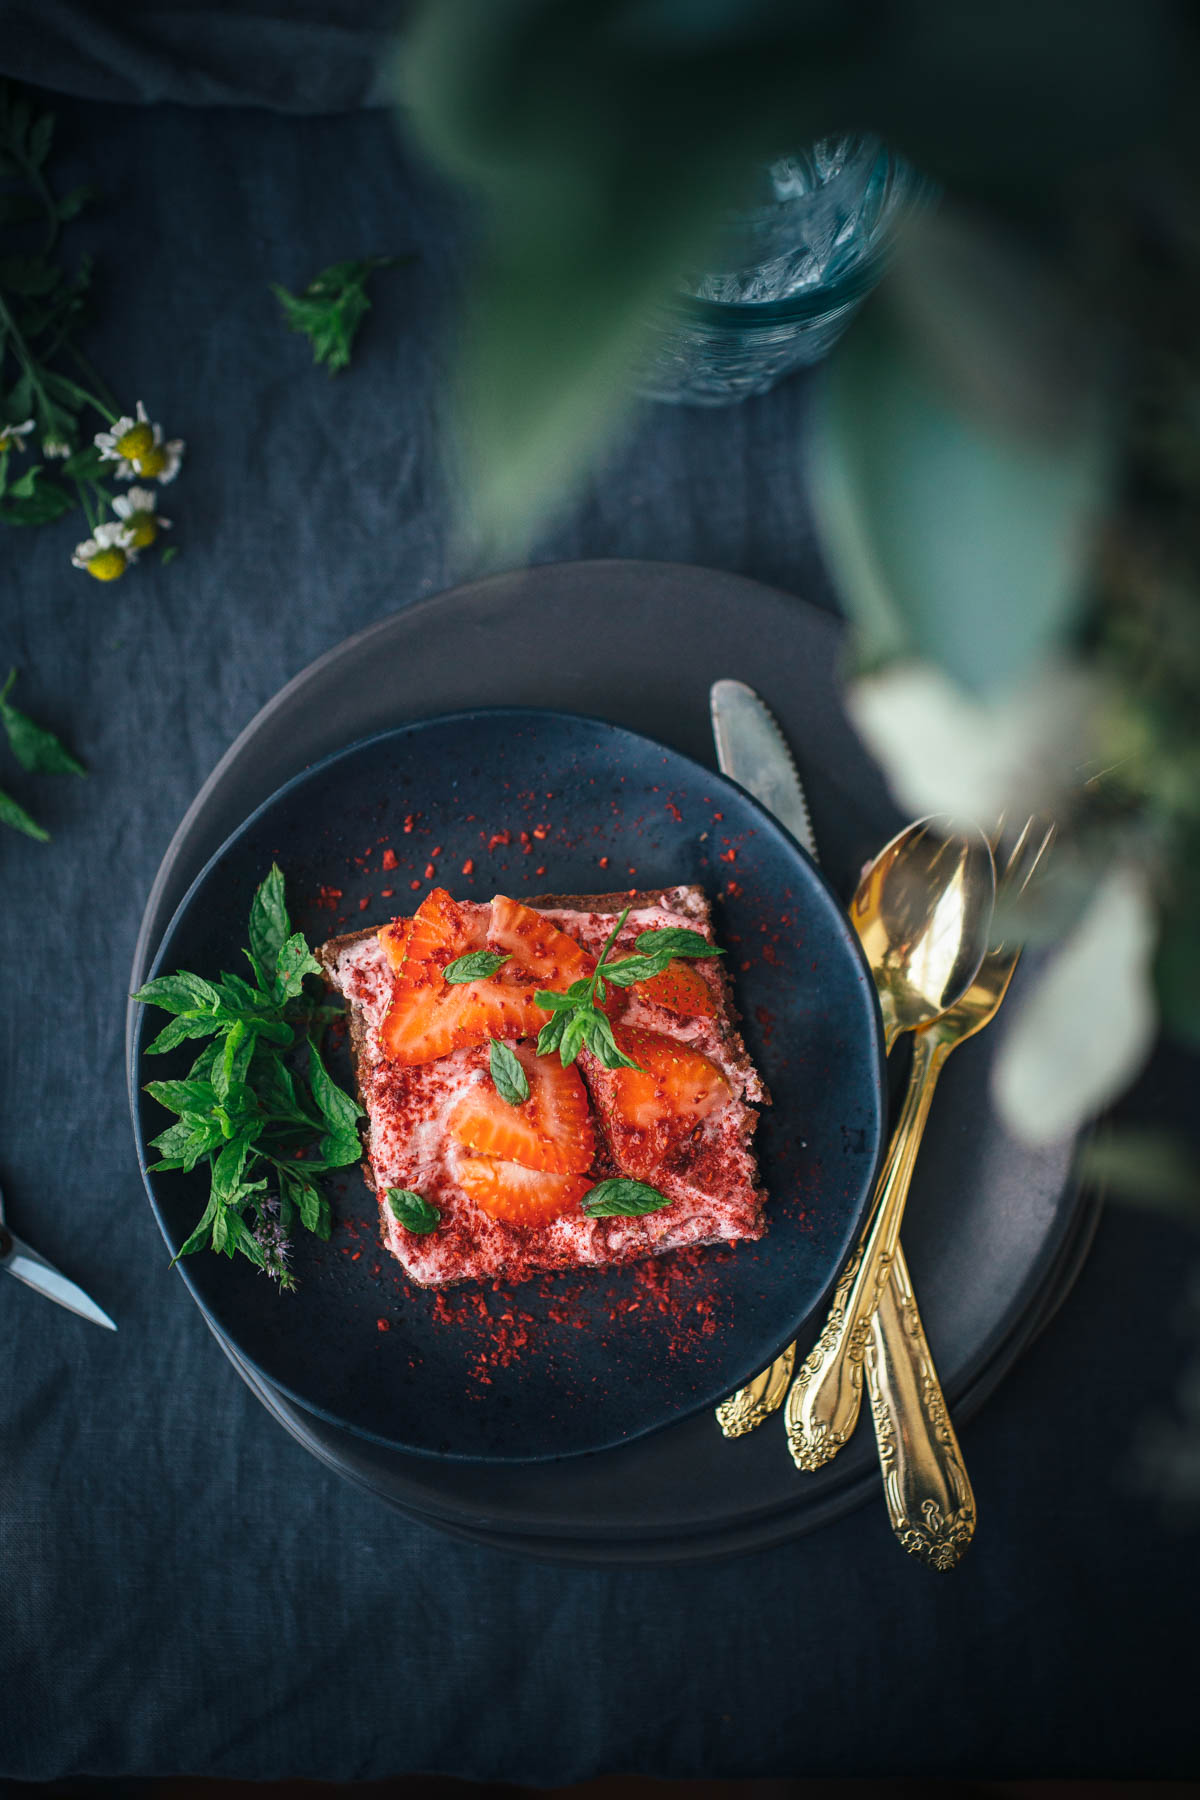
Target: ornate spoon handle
925, 1482
822, 1407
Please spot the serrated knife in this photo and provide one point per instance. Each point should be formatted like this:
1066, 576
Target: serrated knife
754, 752
18, 1259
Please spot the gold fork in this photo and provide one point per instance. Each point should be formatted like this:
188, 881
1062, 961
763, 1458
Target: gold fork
926, 1486
759, 1397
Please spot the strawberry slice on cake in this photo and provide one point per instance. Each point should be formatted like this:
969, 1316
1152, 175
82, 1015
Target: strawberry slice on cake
522, 1062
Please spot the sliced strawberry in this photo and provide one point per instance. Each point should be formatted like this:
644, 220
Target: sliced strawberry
552, 1130
394, 938
543, 955
442, 930
539, 956
681, 989
429, 1016
648, 1112
520, 1196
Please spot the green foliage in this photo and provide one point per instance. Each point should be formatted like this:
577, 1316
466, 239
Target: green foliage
607, 140
331, 308
42, 305
956, 474
258, 1106
577, 1020
37, 750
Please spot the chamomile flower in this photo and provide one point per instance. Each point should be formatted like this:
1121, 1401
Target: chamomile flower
55, 447
108, 552
12, 434
137, 508
137, 448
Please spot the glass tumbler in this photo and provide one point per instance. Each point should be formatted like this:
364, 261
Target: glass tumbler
792, 268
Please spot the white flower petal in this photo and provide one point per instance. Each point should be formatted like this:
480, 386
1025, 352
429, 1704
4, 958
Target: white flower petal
174, 454
945, 750
1081, 1035
137, 500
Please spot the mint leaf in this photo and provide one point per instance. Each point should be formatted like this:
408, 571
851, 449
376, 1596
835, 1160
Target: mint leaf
183, 1096
12, 813
621, 1198
200, 1236
303, 1194
550, 1036
180, 993
270, 927
673, 940
238, 995
227, 1171
413, 1212
339, 1149
635, 968
294, 961
476, 966
177, 1031
331, 308
510, 1079
35, 748
602, 1043
574, 1036
340, 1111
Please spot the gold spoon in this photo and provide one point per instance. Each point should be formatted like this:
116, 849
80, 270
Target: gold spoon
923, 911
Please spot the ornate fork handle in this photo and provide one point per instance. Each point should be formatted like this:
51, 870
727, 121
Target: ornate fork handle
929, 1497
823, 1405
758, 1399
746, 1409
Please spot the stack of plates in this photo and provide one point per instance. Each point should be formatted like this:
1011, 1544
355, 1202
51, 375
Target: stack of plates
572, 1418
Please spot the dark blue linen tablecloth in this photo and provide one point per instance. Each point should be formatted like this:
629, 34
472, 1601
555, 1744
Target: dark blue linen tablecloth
183, 1589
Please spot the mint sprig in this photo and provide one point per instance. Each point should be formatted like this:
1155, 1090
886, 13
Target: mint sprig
413, 1211
577, 1020
621, 1197
476, 965
258, 1104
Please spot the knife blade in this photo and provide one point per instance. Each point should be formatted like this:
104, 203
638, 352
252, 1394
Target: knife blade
17, 1258
753, 750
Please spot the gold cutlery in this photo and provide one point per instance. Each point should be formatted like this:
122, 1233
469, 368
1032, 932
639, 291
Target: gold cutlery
923, 911
940, 929
928, 1492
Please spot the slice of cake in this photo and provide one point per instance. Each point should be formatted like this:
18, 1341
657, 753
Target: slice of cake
478, 1178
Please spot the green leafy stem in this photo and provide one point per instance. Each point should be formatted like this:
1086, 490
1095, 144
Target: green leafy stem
258, 1105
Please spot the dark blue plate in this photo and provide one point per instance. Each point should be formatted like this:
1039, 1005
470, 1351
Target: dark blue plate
527, 802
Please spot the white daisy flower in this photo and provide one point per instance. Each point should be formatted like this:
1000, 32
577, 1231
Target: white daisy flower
12, 434
108, 553
55, 447
137, 447
137, 508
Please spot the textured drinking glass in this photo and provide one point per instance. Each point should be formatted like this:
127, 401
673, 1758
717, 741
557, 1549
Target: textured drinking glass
793, 267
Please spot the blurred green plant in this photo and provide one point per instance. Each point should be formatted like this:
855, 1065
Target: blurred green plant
1005, 450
